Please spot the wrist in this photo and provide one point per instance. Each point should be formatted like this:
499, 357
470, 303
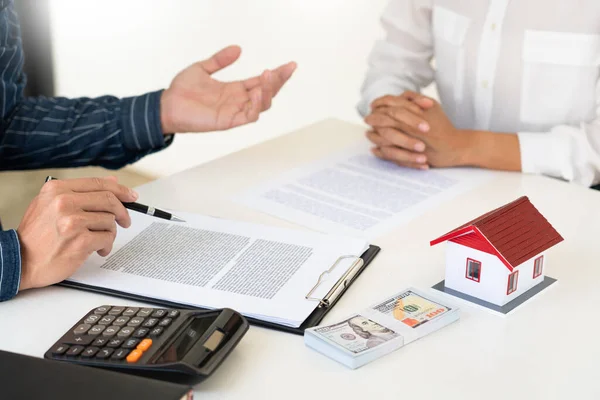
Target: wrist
474, 149
165, 113
492, 150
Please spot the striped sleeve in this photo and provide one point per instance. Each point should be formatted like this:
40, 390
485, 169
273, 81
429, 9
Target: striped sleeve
44, 132
10, 264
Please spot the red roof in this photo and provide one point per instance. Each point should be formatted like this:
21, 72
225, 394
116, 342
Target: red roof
515, 233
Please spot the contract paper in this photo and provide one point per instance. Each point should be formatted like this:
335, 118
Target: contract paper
260, 271
357, 194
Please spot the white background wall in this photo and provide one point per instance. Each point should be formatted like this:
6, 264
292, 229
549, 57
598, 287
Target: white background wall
125, 47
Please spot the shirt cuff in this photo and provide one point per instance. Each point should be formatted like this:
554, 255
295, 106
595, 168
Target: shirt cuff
542, 153
10, 264
140, 121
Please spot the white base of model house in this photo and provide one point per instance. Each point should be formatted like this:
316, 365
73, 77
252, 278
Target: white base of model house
508, 307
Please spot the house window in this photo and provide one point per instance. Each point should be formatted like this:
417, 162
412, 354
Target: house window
473, 270
512, 282
538, 265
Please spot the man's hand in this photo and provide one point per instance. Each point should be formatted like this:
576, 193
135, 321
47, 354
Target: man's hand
413, 130
67, 222
196, 102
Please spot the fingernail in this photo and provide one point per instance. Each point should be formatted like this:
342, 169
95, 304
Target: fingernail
419, 146
424, 167
134, 194
424, 127
421, 159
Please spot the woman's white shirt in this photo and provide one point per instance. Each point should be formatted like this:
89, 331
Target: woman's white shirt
530, 67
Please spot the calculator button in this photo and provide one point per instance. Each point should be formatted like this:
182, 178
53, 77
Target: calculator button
89, 352
96, 330
114, 343
83, 340
126, 332
92, 319
136, 321
134, 356
81, 329
107, 320
121, 321
159, 313
101, 310
150, 322
110, 331
60, 349
145, 312
100, 342
145, 345
104, 353
156, 332
130, 312
75, 350
165, 322
173, 314
116, 310
131, 343
120, 354
140, 333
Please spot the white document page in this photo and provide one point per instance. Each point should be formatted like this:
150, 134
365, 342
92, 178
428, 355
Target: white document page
355, 193
260, 271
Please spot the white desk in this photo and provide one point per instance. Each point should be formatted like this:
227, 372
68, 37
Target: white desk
548, 349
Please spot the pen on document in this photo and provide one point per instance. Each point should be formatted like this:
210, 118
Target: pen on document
141, 208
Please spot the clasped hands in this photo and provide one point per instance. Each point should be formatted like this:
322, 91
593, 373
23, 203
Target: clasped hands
413, 131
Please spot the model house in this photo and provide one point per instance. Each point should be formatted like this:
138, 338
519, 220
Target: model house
500, 255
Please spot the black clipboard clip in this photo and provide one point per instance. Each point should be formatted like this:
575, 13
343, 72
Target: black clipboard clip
340, 285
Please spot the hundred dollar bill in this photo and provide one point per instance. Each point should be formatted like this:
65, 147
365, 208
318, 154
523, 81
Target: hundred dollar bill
411, 308
356, 334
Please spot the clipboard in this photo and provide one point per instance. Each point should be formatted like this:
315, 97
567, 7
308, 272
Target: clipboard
325, 303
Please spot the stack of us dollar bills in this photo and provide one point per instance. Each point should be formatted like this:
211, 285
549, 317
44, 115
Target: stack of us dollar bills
382, 328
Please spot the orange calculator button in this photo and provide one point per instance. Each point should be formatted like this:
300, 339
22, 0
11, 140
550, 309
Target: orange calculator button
144, 345
134, 356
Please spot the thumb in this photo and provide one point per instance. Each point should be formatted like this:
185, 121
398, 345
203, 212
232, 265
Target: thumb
221, 59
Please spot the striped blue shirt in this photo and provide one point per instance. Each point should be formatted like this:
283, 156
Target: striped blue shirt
56, 132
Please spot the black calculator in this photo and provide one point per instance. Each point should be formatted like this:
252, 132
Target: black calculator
183, 346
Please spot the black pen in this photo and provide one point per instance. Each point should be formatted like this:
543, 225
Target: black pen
141, 208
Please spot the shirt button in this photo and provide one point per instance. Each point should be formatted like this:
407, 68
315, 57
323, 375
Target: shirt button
484, 84
493, 27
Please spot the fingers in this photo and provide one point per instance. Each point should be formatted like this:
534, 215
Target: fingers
103, 202
267, 89
221, 59
281, 75
100, 242
398, 118
400, 156
85, 185
250, 111
377, 140
400, 139
416, 99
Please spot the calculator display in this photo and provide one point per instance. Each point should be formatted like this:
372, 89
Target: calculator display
186, 340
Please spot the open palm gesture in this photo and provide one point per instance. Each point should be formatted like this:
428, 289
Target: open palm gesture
196, 102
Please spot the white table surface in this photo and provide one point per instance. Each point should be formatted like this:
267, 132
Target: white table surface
548, 349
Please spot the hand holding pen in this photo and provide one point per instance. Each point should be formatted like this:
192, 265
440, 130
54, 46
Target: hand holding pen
141, 208
68, 221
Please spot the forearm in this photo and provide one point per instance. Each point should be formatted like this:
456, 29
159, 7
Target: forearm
491, 150
59, 132
10, 264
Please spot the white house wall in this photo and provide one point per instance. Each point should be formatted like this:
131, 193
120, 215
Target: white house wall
494, 274
526, 280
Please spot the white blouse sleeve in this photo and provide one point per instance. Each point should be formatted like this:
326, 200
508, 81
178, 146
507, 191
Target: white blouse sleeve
402, 61
566, 152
